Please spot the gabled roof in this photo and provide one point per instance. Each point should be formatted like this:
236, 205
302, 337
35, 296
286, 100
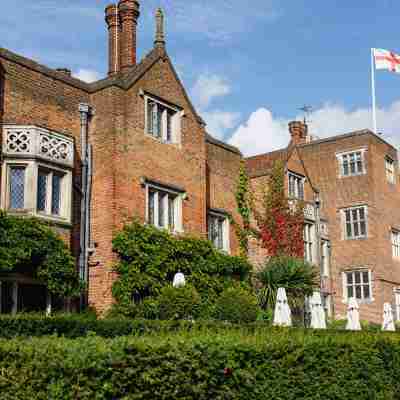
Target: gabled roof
124, 81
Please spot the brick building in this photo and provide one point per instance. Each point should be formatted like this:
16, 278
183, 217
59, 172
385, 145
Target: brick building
87, 157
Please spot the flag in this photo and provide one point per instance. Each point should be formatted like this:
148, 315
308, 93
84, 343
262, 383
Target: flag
385, 59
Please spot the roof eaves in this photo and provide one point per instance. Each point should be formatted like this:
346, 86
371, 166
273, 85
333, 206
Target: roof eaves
226, 146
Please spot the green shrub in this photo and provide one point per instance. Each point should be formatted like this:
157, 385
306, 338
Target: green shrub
77, 325
277, 364
178, 303
29, 246
150, 257
236, 305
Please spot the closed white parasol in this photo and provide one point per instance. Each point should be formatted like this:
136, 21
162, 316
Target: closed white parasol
388, 320
179, 280
353, 316
318, 320
282, 315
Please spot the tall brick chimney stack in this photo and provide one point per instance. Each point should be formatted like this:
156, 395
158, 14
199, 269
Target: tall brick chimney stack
298, 131
114, 36
128, 15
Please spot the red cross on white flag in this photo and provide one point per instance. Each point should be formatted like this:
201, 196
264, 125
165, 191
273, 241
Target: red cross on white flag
385, 59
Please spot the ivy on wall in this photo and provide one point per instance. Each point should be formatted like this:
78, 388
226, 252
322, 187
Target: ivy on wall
278, 224
30, 246
149, 258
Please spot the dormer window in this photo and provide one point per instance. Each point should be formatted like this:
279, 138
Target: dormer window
162, 121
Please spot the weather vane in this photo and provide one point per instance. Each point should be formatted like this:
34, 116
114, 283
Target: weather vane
307, 111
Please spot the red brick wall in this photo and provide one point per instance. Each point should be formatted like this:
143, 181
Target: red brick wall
223, 171
381, 198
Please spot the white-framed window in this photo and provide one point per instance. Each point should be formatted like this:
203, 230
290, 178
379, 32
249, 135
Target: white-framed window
352, 163
296, 186
36, 188
357, 284
355, 222
162, 121
390, 170
49, 191
218, 230
164, 208
308, 236
395, 234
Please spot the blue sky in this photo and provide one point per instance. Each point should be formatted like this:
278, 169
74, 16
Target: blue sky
248, 67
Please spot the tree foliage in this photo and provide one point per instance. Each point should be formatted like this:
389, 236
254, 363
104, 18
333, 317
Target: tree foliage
296, 275
29, 246
149, 258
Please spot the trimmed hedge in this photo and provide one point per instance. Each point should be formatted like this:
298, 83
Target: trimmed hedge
283, 364
75, 326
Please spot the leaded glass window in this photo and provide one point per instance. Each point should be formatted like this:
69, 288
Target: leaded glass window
56, 194
42, 190
17, 188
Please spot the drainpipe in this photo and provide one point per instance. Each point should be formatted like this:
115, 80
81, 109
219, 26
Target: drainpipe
85, 112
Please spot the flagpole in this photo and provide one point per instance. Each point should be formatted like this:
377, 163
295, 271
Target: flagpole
373, 91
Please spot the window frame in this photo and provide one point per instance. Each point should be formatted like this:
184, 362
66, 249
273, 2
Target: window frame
340, 157
32, 168
175, 121
222, 216
151, 187
390, 172
309, 242
395, 245
345, 235
297, 179
345, 285
50, 173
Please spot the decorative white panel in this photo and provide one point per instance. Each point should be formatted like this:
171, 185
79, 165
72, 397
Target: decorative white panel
31, 141
309, 211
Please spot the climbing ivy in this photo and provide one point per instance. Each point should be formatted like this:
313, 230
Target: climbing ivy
30, 246
150, 257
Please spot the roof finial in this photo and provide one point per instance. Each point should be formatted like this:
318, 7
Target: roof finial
160, 37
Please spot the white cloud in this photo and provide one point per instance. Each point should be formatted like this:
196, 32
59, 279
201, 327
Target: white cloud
87, 75
218, 122
263, 132
207, 88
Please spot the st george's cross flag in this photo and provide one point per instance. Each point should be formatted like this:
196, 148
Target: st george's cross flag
385, 59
